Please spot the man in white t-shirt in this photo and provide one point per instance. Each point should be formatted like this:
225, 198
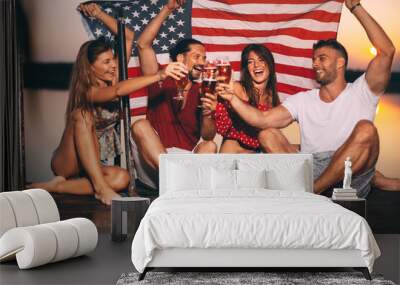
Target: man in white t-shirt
336, 120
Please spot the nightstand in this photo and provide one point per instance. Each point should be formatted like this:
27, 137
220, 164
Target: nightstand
126, 214
358, 206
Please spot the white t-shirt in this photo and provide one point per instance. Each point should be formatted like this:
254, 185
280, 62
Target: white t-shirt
326, 126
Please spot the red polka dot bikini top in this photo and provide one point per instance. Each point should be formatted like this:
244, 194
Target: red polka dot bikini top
231, 126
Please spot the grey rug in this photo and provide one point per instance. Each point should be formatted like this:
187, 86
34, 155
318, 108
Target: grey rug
242, 278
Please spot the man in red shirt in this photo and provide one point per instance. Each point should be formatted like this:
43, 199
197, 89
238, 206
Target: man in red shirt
171, 125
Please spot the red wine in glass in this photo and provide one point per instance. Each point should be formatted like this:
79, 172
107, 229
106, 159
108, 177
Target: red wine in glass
180, 85
225, 72
209, 71
208, 85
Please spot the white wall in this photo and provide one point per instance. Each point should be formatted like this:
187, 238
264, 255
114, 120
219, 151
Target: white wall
44, 124
55, 29
56, 33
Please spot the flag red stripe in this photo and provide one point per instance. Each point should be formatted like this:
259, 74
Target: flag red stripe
289, 89
294, 32
138, 111
273, 47
319, 15
295, 70
233, 2
284, 68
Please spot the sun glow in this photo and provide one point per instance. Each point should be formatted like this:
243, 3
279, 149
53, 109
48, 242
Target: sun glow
373, 51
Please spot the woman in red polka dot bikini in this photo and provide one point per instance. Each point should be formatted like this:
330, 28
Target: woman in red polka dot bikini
257, 86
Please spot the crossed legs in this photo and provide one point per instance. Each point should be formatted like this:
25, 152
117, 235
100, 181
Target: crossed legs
362, 146
79, 150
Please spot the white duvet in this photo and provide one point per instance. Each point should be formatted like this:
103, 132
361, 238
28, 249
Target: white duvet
251, 218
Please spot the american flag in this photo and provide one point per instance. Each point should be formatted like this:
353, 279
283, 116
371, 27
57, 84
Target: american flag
288, 28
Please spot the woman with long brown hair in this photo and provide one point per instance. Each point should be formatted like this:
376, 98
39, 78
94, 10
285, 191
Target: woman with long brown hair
92, 107
257, 87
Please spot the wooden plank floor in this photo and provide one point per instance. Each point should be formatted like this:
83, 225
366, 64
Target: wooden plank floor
74, 206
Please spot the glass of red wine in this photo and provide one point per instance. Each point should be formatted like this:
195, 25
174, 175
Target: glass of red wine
224, 70
209, 78
180, 86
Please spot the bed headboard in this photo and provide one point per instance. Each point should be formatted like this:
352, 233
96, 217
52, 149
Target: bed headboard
270, 161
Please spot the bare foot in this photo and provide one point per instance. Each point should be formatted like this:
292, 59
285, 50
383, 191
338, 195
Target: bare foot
50, 186
106, 196
385, 183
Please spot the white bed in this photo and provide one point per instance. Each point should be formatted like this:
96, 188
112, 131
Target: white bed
220, 211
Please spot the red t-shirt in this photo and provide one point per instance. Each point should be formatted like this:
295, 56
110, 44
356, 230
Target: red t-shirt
176, 127
231, 126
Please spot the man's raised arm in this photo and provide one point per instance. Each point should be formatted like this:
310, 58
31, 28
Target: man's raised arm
378, 71
147, 55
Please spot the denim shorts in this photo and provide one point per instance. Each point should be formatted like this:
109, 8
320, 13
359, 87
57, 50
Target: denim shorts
361, 181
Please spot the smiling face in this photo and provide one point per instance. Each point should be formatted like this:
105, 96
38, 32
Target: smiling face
194, 59
327, 63
104, 67
257, 67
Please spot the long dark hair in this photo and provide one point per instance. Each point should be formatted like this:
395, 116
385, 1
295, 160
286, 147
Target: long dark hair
82, 75
246, 80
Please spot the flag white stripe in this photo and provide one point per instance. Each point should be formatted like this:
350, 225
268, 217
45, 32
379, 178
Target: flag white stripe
307, 24
292, 60
283, 96
288, 79
138, 102
283, 40
294, 80
257, 8
279, 58
163, 58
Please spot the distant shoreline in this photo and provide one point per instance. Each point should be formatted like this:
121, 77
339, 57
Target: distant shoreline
57, 76
394, 85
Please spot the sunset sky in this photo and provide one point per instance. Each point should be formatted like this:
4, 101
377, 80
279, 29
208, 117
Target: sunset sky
352, 35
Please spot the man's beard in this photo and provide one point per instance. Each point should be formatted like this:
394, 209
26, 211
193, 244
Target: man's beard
195, 72
328, 78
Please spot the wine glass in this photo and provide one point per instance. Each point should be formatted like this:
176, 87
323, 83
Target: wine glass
209, 78
224, 70
180, 86
210, 68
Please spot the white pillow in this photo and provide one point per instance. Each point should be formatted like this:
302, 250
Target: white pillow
188, 177
288, 178
224, 179
251, 178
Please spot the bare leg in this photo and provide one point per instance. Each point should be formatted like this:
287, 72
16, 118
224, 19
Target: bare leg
118, 178
363, 148
385, 183
79, 146
148, 142
273, 141
232, 146
206, 147
48, 185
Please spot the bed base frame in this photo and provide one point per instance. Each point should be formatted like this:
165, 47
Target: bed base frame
256, 258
